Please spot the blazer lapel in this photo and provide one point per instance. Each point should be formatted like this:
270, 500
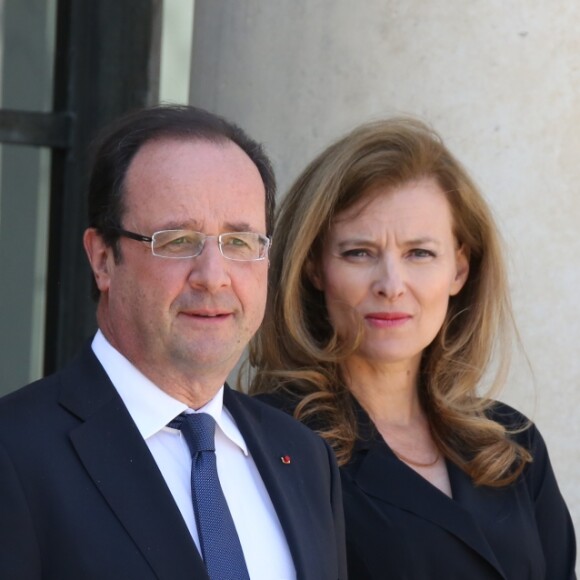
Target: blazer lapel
283, 482
382, 475
122, 468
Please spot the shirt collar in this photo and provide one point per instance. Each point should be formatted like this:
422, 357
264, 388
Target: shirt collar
150, 407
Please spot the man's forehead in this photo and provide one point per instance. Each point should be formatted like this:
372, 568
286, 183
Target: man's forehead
177, 178
193, 159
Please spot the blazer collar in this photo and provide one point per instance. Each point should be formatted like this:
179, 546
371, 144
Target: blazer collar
117, 459
379, 473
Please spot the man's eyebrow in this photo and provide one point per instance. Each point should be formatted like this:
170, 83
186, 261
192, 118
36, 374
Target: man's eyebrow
238, 227
173, 225
196, 226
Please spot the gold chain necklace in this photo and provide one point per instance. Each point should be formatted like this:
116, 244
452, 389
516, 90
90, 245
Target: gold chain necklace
417, 463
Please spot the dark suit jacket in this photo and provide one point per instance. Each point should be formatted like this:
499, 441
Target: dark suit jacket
399, 526
82, 498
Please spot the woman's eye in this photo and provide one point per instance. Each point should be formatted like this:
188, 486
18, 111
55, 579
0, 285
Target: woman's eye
421, 253
356, 253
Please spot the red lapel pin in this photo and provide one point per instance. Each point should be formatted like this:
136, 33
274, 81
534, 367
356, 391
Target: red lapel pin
285, 459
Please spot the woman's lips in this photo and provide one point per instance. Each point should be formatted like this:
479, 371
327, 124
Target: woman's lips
387, 319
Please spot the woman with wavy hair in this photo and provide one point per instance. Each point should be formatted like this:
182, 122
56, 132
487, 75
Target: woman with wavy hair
388, 331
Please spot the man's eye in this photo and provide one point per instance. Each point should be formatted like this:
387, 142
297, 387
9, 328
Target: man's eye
179, 244
181, 240
236, 241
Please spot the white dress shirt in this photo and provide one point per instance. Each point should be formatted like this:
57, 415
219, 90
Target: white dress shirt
263, 541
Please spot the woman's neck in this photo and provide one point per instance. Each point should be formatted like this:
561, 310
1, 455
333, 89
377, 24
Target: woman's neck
390, 396
388, 393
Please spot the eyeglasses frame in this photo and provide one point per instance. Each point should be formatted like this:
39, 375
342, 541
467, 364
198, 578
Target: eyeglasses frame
205, 237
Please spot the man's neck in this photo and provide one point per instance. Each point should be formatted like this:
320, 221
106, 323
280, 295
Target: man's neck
190, 384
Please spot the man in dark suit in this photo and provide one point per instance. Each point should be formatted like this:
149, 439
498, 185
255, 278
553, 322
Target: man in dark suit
94, 482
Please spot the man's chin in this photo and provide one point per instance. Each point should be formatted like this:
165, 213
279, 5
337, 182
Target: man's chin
206, 360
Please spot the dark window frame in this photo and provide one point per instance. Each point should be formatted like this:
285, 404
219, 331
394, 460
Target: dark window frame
106, 62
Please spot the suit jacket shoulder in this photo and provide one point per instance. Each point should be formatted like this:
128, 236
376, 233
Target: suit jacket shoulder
399, 525
82, 497
80, 494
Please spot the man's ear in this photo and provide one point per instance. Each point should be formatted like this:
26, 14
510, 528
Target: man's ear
100, 257
461, 270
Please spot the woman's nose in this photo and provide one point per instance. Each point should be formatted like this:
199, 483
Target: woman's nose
390, 279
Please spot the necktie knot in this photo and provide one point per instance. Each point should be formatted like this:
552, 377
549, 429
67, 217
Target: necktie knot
198, 430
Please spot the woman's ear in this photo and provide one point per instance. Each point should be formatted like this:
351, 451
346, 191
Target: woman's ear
461, 270
313, 272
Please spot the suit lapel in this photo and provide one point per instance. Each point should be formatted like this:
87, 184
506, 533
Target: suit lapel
117, 459
381, 475
283, 482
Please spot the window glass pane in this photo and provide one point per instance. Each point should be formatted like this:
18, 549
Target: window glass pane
27, 41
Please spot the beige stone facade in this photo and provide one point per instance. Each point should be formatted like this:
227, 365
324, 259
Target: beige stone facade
499, 80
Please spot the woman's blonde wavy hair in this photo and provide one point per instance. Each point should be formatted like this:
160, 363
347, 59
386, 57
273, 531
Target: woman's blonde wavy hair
297, 352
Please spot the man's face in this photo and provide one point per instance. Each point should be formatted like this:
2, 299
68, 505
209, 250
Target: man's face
192, 316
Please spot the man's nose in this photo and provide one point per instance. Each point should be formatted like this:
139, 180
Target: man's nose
209, 270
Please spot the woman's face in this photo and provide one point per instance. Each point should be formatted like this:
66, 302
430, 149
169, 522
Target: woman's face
392, 260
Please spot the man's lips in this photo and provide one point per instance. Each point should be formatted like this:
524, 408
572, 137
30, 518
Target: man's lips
207, 314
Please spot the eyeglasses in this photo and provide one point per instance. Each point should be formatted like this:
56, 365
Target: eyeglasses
239, 246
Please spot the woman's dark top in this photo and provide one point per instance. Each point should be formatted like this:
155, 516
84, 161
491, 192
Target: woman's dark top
400, 526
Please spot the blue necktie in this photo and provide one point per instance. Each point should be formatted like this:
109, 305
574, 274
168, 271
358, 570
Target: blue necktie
220, 545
